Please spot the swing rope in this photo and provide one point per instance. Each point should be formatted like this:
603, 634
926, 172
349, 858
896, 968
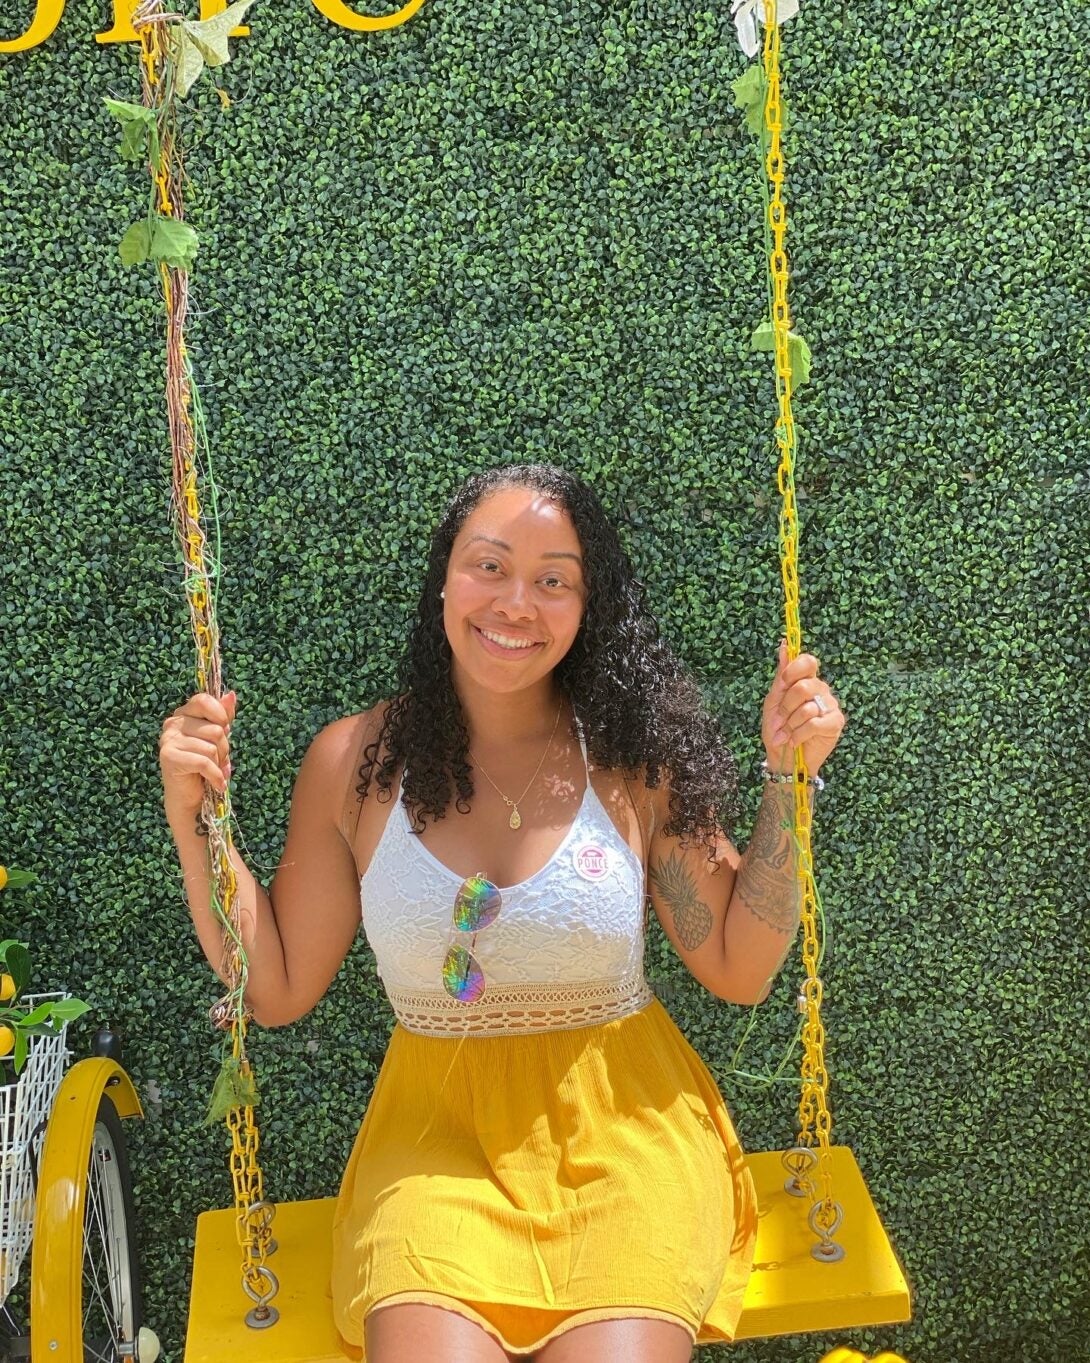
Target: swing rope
235, 1092
810, 1168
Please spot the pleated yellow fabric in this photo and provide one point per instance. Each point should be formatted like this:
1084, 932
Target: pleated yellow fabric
525, 1180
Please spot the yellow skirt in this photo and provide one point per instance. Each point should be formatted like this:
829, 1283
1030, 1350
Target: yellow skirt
533, 1183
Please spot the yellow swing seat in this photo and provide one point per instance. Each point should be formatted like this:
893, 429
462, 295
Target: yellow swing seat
789, 1291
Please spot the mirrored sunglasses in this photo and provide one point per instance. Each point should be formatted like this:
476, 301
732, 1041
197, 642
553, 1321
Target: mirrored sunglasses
476, 905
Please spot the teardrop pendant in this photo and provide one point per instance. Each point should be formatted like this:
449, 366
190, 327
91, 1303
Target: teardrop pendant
515, 820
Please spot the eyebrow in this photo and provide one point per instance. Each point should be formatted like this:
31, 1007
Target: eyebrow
552, 553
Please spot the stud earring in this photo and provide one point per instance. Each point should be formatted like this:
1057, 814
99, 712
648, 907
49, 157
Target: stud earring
443, 593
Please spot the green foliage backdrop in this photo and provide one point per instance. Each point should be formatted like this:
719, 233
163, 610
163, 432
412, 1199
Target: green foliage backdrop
521, 230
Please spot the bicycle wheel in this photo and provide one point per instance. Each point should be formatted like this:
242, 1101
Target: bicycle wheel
112, 1300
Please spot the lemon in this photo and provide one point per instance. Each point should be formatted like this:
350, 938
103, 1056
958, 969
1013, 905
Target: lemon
7, 987
3, 876
7, 1041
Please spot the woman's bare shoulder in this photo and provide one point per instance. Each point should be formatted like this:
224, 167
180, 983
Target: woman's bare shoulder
630, 802
343, 744
362, 726
344, 740
653, 802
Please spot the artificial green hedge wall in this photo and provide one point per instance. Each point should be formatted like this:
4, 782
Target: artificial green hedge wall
519, 230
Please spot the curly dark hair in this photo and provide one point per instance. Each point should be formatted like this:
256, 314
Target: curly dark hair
640, 710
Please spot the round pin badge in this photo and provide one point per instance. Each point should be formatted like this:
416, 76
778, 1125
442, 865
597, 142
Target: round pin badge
591, 861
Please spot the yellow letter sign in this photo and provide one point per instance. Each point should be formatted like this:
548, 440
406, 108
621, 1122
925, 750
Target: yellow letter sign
123, 31
340, 14
46, 18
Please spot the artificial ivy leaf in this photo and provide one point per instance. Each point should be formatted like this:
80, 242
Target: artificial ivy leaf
134, 139
136, 244
136, 124
210, 35
750, 90
798, 352
130, 113
174, 242
233, 1088
188, 62
749, 94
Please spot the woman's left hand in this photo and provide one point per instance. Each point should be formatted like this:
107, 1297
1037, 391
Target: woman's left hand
800, 708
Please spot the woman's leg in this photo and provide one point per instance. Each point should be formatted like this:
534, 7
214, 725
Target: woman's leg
412, 1331
632, 1340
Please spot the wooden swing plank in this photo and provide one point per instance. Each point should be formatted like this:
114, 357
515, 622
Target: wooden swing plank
305, 1332
789, 1292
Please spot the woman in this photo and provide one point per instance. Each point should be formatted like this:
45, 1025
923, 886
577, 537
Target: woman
545, 1167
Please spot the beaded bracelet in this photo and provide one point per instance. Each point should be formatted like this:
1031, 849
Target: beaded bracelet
785, 778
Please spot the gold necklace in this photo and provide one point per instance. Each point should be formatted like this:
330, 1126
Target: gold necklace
516, 818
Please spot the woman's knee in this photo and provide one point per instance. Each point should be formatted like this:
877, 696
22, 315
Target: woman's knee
408, 1332
631, 1340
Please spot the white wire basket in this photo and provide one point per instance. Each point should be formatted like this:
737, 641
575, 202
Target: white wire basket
24, 1108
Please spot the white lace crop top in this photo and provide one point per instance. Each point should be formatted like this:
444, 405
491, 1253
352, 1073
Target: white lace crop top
566, 949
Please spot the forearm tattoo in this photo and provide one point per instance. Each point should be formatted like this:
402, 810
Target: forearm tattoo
766, 876
677, 889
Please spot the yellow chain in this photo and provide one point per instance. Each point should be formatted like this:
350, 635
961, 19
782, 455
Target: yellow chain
253, 1213
814, 1119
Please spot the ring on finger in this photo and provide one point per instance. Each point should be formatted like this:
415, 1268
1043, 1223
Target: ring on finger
823, 709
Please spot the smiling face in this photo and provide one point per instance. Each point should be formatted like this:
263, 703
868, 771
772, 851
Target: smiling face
514, 590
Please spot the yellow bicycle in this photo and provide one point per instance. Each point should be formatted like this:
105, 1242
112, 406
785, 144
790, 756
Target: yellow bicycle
66, 1197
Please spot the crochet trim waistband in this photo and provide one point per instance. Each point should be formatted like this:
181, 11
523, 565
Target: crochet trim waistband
520, 1009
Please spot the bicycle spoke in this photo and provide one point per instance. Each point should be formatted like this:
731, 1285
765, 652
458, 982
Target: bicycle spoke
106, 1322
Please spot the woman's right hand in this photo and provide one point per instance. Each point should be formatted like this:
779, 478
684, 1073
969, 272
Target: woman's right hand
194, 748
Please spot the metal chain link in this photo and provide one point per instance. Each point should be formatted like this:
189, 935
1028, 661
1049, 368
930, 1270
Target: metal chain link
811, 1175
254, 1213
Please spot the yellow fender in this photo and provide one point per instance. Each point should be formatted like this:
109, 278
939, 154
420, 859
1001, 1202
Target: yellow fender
56, 1266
